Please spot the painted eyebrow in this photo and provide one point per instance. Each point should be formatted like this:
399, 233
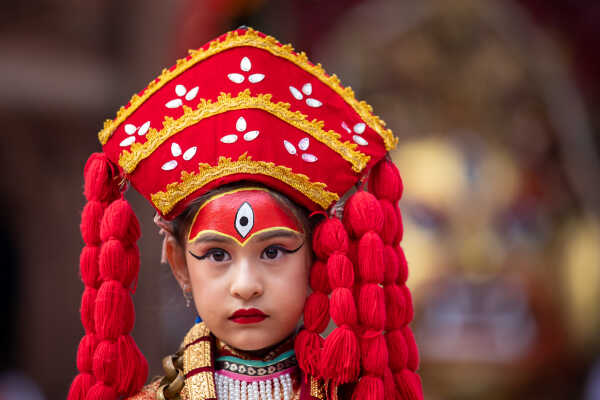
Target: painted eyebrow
261, 237
213, 238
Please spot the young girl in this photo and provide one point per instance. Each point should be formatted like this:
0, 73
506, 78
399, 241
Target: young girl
245, 149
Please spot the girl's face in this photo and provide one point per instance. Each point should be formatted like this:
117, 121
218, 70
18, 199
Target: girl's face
247, 263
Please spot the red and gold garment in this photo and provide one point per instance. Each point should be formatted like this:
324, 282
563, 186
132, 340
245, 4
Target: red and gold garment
201, 368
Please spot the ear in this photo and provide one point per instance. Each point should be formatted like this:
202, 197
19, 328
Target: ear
176, 257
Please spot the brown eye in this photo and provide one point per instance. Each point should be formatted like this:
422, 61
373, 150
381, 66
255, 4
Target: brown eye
218, 255
272, 252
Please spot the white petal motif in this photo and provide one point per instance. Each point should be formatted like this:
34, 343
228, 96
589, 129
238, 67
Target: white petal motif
307, 89
345, 126
360, 140
174, 103
289, 147
175, 149
303, 144
240, 125
255, 78
360, 128
191, 94
190, 153
229, 138
127, 141
180, 90
250, 136
144, 128
245, 64
313, 103
236, 78
309, 157
296, 93
169, 165
130, 129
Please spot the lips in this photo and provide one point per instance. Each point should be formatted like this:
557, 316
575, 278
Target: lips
248, 316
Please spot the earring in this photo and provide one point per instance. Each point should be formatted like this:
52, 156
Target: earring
187, 295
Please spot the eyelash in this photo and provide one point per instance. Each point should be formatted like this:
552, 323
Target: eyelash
213, 251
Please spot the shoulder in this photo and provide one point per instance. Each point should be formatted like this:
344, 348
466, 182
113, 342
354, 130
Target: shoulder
148, 392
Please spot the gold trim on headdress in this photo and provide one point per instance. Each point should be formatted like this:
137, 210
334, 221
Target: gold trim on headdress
166, 200
129, 159
253, 39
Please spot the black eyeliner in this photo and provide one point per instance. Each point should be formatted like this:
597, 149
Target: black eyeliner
198, 257
291, 251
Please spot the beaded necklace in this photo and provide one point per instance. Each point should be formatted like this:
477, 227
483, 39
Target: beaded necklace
240, 379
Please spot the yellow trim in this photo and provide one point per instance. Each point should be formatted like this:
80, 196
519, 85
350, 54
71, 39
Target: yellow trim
201, 385
242, 244
129, 159
165, 201
253, 39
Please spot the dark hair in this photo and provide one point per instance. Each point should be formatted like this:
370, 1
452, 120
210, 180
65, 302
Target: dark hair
181, 223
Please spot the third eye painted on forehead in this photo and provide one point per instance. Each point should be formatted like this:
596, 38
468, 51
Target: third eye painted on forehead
241, 214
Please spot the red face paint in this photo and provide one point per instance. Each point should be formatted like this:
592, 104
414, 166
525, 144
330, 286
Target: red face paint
240, 214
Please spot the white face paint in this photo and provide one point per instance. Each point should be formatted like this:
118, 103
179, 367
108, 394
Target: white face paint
244, 219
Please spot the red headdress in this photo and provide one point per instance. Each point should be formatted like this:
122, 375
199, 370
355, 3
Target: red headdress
245, 107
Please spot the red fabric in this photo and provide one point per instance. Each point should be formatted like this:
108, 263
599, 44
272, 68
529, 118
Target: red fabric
211, 76
264, 212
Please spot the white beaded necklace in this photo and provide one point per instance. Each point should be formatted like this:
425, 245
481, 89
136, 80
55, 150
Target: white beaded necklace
275, 388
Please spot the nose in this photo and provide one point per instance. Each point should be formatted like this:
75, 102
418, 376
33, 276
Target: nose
246, 282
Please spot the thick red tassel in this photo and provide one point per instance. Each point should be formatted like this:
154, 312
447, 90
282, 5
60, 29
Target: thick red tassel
119, 222
409, 385
340, 360
385, 181
340, 271
80, 386
374, 354
101, 391
114, 313
105, 361
368, 388
362, 213
85, 352
397, 349
412, 361
319, 280
371, 306
329, 237
132, 366
371, 267
342, 307
316, 312
389, 386
308, 350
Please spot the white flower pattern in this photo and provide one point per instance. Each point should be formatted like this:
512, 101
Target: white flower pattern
240, 126
182, 92
176, 152
306, 90
358, 129
303, 145
245, 66
131, 129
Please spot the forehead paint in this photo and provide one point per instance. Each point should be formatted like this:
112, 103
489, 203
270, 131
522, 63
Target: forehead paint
240, 214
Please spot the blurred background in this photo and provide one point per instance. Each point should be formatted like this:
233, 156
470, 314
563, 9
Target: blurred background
496, 107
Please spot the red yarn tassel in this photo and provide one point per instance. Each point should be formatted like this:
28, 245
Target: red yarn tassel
386, 184
110, 365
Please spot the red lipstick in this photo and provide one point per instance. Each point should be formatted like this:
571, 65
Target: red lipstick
248, 316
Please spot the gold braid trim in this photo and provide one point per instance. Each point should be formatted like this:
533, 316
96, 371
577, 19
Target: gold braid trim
129, 159
201, 385
270, 44
189, 182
